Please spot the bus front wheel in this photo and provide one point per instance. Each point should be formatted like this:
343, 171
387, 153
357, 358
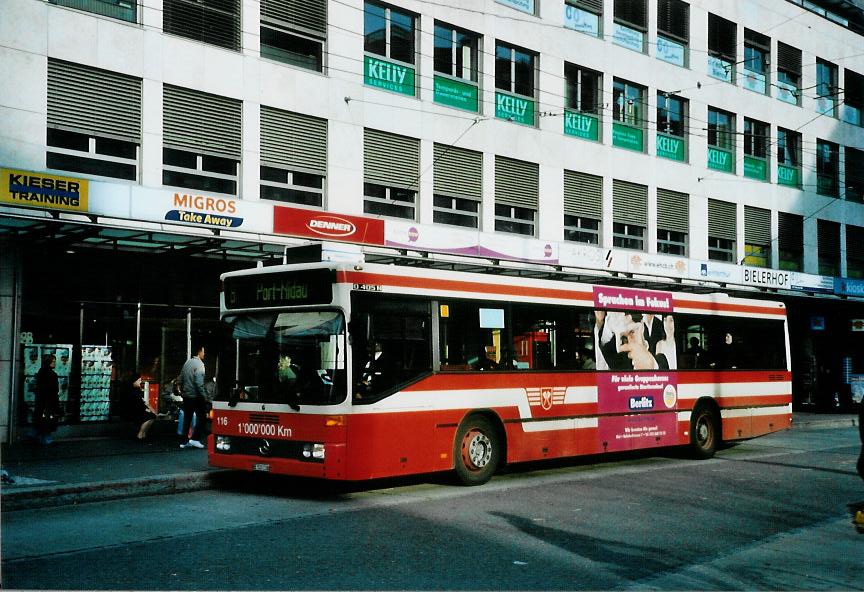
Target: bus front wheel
704, 431
477, 451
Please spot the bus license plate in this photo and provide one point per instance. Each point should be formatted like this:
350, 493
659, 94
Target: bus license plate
261, 467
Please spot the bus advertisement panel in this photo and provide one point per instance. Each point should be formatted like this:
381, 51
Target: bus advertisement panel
358, 371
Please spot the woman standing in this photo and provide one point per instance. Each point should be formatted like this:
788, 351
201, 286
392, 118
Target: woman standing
46, 412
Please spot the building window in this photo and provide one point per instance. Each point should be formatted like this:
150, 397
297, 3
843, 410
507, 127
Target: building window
673, 31
756, 137
757, 56
628, 103
294, 32
788, 74
722, 48
289, 186
583, 88
671, 127
721, 140
212, 21
293, 157
629, 214
853, 98
394, 202
585, 16
788, 157
854, 168
389, 32
514, 70
456, 211
456, 67
671, 114
722, 222
628, 236
196, 153
582, 102
673, 222
721, 249
828, 246
790, 241
628, 113
458, 186
92, 155
827, 167
631, 24
854, 251
826, 88
391, 170
124, 10
184, 168
517, 195
583, 207
456, 52
94, 121
514, 220
515, 81
757, 236
580, 229
671, 242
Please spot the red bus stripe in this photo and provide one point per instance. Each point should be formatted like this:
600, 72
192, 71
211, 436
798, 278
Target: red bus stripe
584, 296
360, 277
728, 307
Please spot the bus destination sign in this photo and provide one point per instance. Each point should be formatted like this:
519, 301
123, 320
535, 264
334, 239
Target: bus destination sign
268, 290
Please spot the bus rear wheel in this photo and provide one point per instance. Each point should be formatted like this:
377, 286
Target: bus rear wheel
477, 451
704, 432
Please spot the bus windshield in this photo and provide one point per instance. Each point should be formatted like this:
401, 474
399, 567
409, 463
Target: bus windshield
288, 358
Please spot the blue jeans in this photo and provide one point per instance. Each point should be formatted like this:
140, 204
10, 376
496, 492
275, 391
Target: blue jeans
197, 407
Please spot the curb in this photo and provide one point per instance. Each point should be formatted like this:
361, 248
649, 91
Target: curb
62, 495
823, 424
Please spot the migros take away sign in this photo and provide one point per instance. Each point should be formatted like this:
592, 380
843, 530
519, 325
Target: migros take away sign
41, 190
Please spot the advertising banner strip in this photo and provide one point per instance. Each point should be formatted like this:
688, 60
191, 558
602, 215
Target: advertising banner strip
616, 298
327, 226
41, 190
454, 93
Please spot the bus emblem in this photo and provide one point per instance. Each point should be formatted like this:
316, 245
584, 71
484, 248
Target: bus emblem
546, 397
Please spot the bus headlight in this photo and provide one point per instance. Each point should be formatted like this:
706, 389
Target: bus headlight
315, 451
223, 443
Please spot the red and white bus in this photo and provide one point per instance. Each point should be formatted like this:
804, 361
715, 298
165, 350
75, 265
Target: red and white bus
353, 371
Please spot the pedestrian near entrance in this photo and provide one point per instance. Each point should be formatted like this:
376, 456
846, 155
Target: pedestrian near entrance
194, 401
46, 411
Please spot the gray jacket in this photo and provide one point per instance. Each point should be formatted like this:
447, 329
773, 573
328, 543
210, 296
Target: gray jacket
192, 378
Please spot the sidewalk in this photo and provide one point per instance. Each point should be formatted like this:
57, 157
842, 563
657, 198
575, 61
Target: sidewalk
97, 469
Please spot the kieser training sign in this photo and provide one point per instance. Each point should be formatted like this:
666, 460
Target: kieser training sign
41, 190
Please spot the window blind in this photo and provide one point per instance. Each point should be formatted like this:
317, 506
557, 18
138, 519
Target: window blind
458, 172
93, 101
293, 140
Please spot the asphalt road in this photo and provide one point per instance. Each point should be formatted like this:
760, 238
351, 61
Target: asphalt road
773, 513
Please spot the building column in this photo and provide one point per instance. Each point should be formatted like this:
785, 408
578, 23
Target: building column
10, 319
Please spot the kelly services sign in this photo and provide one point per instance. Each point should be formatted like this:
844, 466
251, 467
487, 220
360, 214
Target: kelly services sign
389, 76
